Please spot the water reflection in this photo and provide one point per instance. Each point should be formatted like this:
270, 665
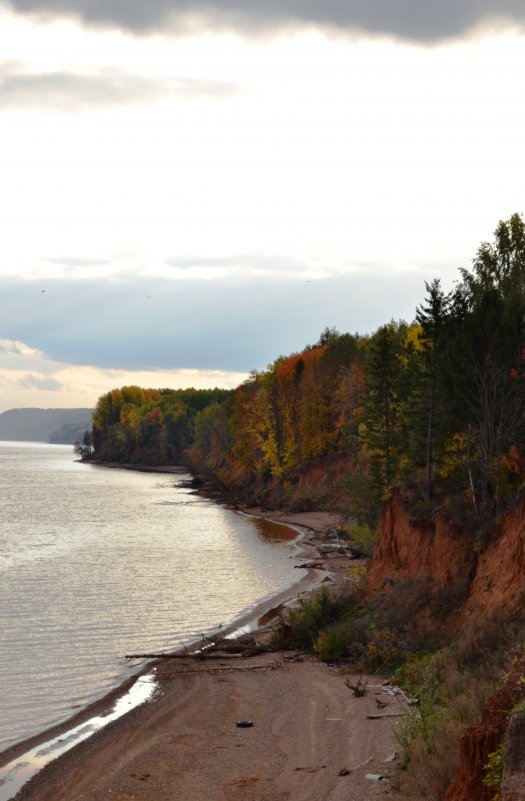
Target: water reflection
116, 562
269, 531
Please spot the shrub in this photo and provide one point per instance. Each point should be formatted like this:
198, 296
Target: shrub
383, 653
399, 602
343, 641
361, 500
362, 538
493, 771
301, 626
450, 598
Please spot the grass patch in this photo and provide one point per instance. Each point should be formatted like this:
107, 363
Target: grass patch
493, 771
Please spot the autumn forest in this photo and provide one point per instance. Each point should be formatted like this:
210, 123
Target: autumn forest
434, 406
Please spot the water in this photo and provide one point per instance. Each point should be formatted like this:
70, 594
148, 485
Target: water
96, 563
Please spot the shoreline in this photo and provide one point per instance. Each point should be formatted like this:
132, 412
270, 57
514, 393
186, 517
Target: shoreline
50, 739
245, 621
172, 469
304, 524
310, 737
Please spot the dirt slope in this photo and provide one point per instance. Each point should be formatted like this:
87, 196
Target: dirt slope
452, 588
444, 557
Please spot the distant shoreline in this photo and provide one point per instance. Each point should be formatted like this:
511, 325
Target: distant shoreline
140, 468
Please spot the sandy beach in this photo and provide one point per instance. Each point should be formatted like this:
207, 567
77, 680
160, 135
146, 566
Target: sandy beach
308, 727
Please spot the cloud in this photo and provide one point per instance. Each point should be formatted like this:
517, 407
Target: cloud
31, 378
76, 261
249, 263
10, 347
408, 19
70, 91
34, 382
231, 323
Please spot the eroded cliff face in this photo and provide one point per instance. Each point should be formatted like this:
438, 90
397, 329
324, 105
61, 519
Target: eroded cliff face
513, 783
463, 588
314, 483
479, 742
327, 470
499, 583
428, 549
464, 585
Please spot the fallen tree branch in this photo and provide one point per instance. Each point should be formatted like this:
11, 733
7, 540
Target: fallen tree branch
159, 656
224, 653
387, 715
239, 669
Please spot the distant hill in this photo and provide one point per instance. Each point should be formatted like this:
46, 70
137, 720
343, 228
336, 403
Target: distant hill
44, 425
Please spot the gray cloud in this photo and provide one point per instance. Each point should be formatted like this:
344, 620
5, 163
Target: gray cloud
410, 19
253, 260
76, 261
190, 262
47, 384
230, 324
75, 92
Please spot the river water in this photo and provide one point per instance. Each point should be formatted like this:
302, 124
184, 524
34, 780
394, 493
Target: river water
97, 563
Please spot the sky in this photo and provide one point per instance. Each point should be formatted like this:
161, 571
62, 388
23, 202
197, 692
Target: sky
189, 190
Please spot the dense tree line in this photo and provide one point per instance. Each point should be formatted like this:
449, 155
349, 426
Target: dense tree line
437, 404
153, 426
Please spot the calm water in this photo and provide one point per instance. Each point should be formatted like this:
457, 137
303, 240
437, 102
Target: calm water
98, 563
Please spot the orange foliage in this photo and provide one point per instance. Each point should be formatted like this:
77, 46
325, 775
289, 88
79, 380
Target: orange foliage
289, 366
514, 461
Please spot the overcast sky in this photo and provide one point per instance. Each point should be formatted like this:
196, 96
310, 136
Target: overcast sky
189, 190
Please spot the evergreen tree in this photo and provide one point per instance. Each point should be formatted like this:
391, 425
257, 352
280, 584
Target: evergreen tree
384, 381
485, 355
433, 316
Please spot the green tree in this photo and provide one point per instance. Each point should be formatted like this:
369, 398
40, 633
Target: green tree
433, 316
328, 334
213, 437
383, 424
485, 356
84, 447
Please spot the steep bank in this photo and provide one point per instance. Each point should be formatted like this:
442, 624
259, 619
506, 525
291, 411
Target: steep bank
452, 588
315, 484
480, 741
499, 581
461, 583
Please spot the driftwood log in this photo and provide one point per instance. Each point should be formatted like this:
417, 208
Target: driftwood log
225, 652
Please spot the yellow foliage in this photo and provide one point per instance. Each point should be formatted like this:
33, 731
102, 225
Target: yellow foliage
461, 449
